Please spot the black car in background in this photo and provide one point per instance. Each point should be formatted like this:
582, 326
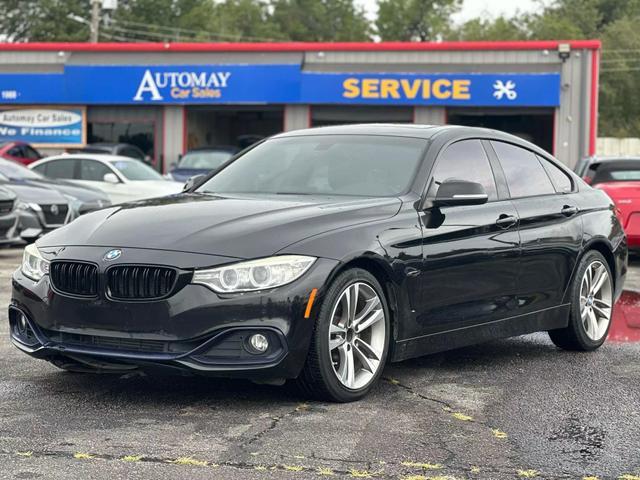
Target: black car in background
201, 161
82, 199
120, 149
321, 254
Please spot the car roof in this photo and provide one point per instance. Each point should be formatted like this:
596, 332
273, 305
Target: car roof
450, 132
214, 148
101, 157
108, 145
388, 129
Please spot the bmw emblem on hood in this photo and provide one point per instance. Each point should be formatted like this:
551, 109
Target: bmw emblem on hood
112, 254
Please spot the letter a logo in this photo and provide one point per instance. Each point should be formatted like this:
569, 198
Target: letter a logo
147, 85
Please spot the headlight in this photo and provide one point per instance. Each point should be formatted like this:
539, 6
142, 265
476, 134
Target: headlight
33, 265
23, 206
255, 274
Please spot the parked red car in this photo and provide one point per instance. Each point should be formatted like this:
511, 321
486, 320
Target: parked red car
620, 179
20, 152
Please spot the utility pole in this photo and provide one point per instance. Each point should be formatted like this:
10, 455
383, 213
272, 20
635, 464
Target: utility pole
94, 27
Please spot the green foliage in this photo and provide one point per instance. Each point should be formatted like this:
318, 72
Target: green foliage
43, 20
320, 20
620, 77
478, 29
415, 20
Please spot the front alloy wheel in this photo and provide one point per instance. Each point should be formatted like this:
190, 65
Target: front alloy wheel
357, 335
350, 340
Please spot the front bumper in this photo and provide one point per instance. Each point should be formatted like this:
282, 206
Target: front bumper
195, 329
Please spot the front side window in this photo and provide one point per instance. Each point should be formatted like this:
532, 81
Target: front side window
93, 171
464, 160
525, 175
360, 165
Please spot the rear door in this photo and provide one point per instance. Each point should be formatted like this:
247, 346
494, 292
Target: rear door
471, 253
550, 224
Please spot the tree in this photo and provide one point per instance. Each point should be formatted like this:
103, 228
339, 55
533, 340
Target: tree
320, 20
500, 28
247, 20
620, 77
415, 20
44, 20
161, 20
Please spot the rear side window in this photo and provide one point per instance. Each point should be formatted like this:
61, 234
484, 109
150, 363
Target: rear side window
464, 160
526, 177
560, 180
58, 168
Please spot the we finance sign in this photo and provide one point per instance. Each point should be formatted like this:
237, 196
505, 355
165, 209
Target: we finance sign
43, 127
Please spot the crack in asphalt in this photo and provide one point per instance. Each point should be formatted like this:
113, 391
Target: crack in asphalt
444, 473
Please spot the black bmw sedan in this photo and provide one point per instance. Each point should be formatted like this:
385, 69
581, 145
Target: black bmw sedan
319, 255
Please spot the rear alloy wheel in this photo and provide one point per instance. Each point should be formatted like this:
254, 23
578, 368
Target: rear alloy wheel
591, 306
350, 341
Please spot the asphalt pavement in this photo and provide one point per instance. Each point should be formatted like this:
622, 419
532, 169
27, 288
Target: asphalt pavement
516, 408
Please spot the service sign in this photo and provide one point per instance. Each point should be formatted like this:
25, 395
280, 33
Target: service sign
465, 89
44, 127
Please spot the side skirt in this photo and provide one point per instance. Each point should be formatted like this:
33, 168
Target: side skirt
548, 319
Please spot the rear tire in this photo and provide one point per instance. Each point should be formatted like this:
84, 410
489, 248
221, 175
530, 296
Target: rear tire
591, 294
350, 340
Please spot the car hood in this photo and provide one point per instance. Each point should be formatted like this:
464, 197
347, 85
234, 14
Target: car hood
84, 194
231, 226
35, 194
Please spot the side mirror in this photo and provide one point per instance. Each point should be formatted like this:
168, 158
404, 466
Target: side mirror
111, 178
459, 192
192, 182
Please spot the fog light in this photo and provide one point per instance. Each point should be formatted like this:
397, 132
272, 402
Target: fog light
259, 342
22, 324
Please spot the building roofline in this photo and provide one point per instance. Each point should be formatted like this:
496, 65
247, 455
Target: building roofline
300, 46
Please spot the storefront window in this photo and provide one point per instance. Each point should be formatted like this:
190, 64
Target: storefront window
140, 134
322, 116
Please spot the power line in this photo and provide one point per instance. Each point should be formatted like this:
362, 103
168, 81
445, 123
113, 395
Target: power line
189, 32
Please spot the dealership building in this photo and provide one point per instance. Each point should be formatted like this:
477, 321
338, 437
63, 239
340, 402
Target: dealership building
169, 98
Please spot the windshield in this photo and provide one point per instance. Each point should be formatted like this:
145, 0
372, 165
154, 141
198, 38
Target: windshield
15, 170
205, 160
136, 170
362, 165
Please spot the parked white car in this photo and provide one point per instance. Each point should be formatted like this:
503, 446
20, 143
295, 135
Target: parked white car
121, 178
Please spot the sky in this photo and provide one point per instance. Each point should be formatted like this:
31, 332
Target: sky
475, 8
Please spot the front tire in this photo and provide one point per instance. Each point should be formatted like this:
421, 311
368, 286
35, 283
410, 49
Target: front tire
350, 341
591, 306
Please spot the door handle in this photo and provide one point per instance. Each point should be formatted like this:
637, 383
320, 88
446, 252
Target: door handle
506, 221
569, 210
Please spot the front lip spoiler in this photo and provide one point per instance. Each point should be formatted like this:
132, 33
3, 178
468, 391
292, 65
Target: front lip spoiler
44, 347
